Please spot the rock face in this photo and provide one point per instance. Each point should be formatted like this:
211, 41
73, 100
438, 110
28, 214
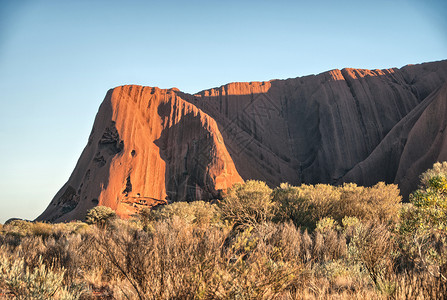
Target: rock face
150, 146
147, 146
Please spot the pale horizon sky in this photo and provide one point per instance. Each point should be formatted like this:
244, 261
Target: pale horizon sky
59, 58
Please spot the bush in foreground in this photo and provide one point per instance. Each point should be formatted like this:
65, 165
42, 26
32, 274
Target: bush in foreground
307, 242
307, 204
99, 215
423, 230
248, 204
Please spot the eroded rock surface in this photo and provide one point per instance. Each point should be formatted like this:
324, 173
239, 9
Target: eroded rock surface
150, 146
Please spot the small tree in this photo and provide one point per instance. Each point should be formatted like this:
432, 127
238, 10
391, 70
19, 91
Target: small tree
99, 215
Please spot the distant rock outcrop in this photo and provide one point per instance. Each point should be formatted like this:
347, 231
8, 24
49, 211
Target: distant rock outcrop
149, 145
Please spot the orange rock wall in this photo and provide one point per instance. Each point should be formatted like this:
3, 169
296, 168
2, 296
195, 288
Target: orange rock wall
149, 145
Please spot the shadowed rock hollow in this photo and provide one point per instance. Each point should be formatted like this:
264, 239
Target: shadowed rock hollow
149, 145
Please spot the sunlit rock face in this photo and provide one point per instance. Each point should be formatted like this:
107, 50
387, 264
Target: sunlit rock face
150, 146
147, 146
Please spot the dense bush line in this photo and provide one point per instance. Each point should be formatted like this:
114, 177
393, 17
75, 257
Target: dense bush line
306, 242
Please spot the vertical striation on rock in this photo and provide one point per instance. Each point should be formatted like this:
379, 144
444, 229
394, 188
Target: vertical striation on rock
150, 146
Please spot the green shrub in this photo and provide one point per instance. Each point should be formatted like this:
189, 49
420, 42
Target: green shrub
326, 224
379, 202
248, 204
428, 209
348, 222
438, 169
423, 227
307, 204
99, 215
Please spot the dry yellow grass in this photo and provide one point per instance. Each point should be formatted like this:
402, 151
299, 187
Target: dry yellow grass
206, 251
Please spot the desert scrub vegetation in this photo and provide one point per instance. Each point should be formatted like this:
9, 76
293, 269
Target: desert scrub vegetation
305, 205
100, 215
248, 204
306, 242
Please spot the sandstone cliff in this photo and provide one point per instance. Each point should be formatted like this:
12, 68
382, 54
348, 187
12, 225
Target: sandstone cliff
149, 146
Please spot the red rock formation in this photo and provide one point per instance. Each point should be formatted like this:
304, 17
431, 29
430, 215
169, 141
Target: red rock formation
149, 146
410, 148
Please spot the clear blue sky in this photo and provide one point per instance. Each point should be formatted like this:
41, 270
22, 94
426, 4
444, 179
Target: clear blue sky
58, 59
